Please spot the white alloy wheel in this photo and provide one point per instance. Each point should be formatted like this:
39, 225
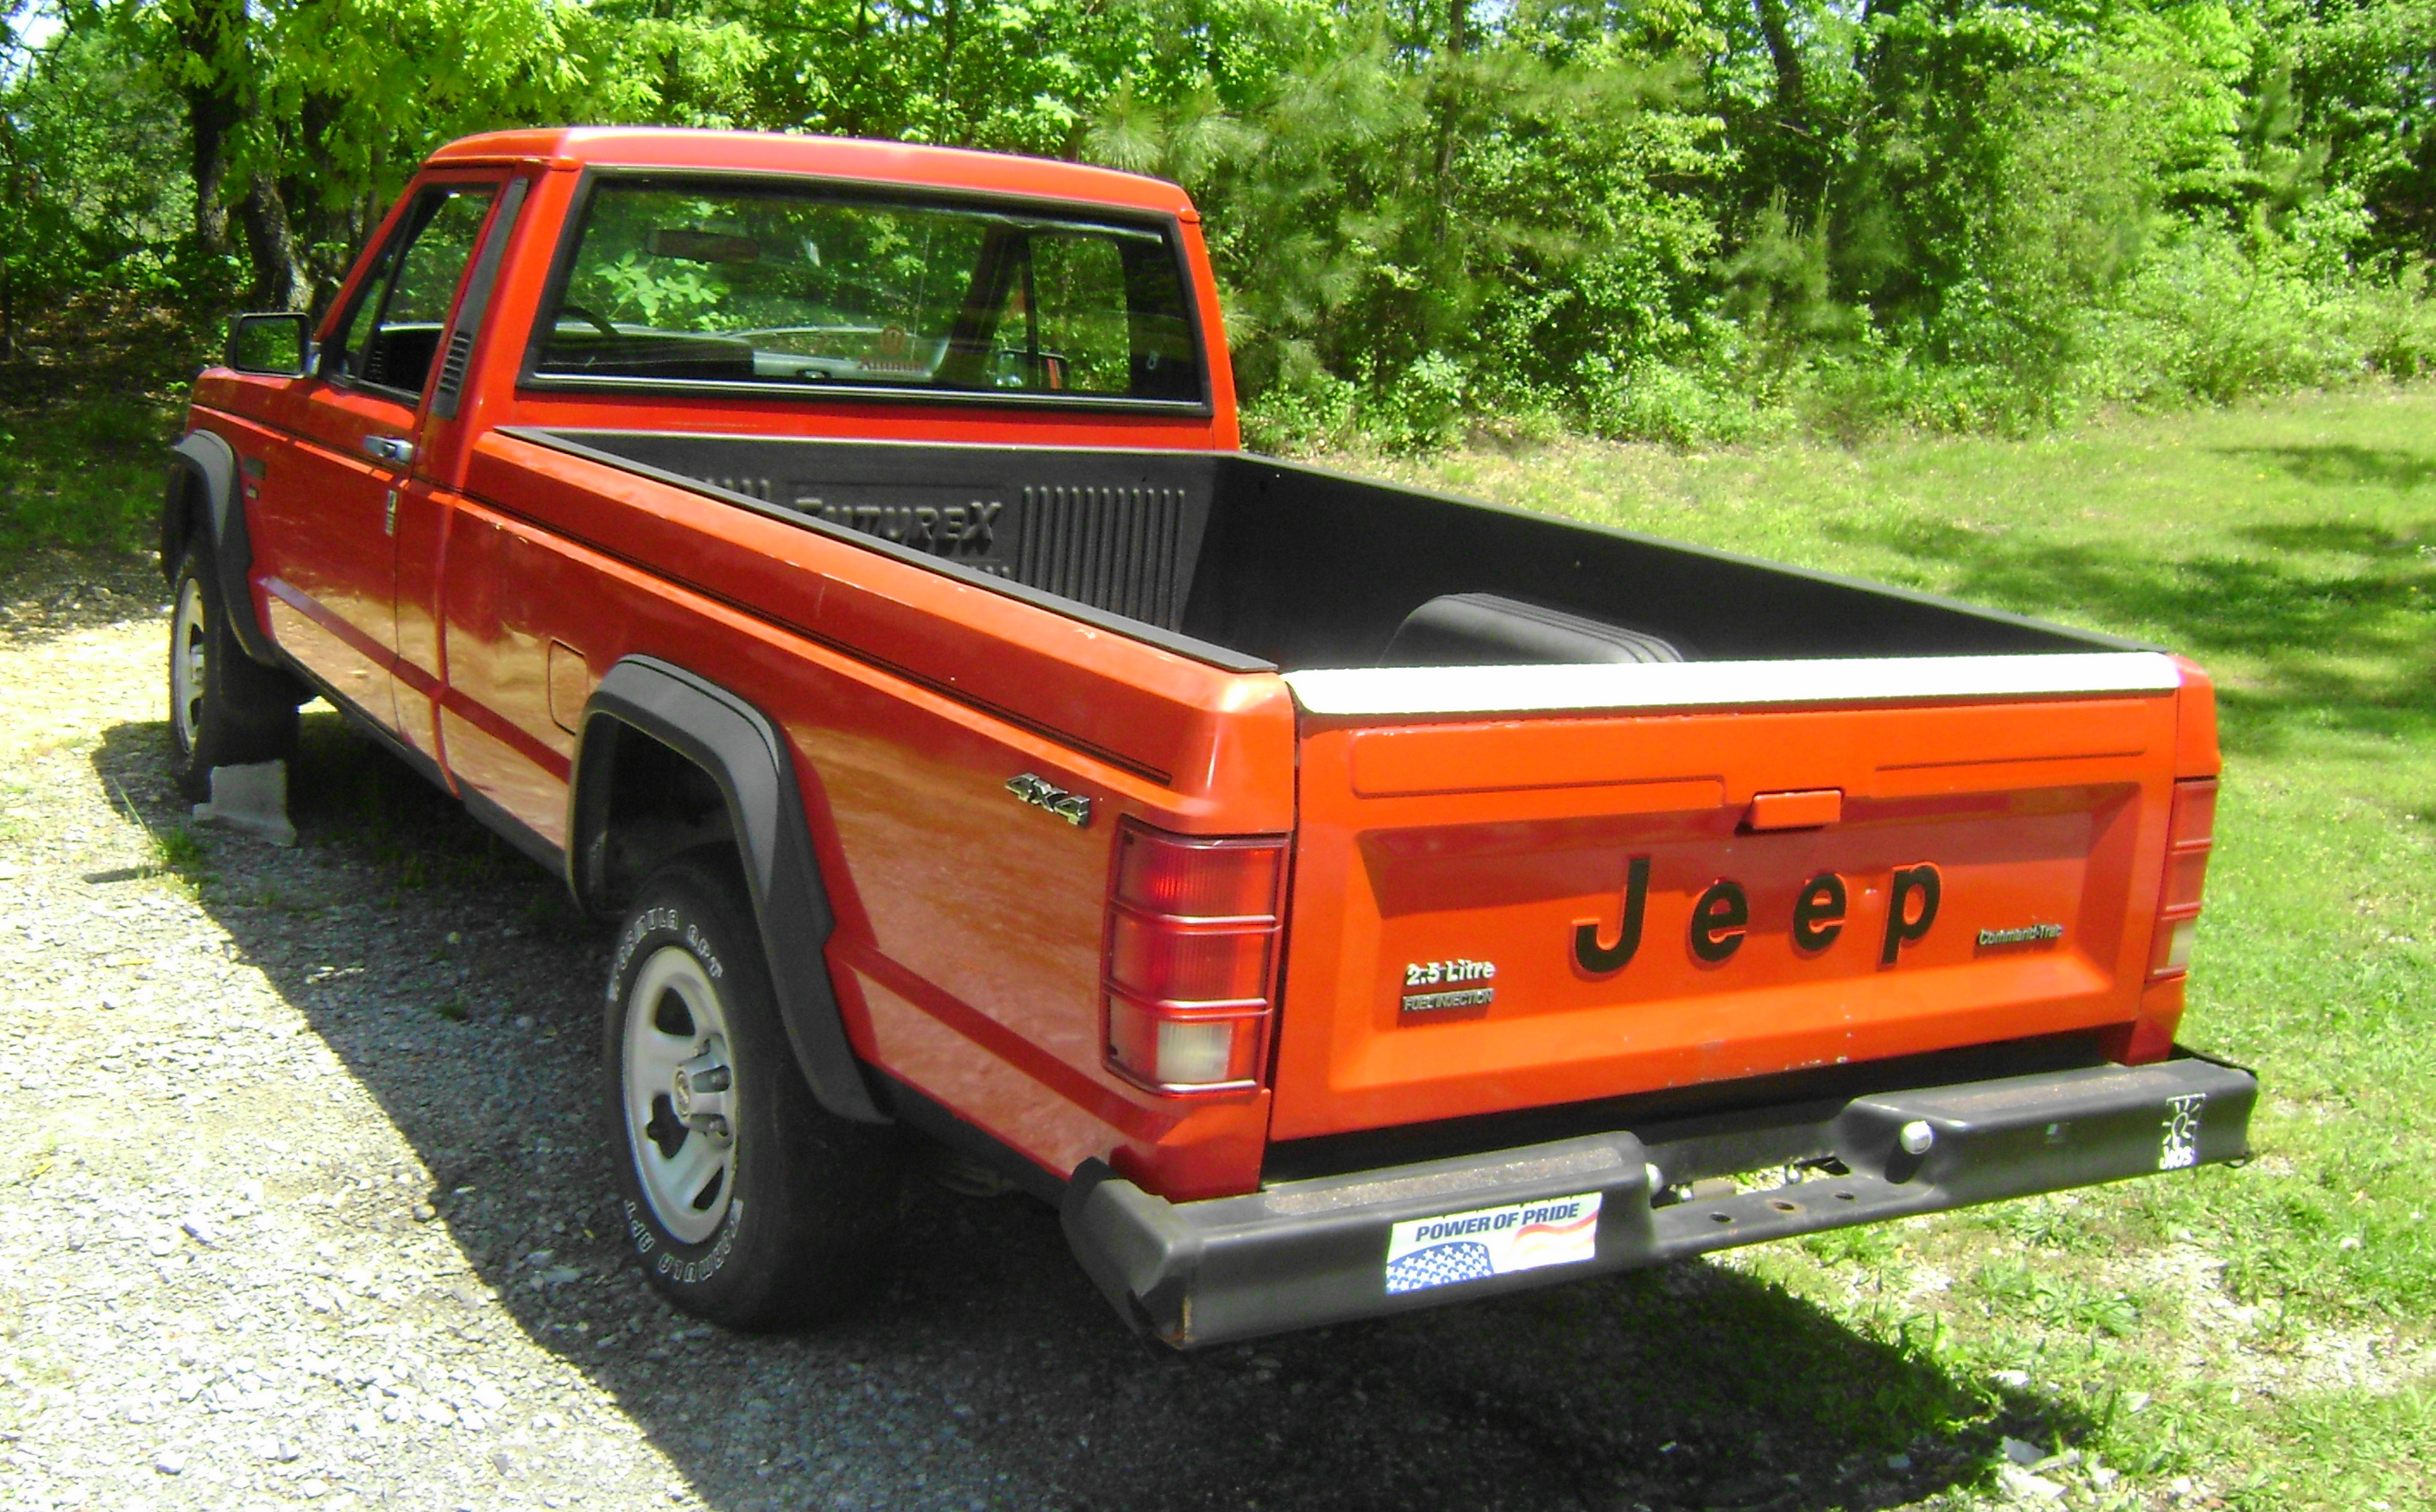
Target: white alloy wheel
189, 662
679, 1094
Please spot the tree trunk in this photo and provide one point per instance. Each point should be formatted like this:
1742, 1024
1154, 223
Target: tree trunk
1450, 93
1774, 29
851, 125
18, 208
213, 35
948, 70
314, 227
211, 169
280, 281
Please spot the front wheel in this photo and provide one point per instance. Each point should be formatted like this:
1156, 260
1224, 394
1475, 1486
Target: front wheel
225, 709
746, 1201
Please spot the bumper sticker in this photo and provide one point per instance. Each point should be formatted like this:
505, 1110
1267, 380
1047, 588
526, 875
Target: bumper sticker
2180, 1146
1488, 1242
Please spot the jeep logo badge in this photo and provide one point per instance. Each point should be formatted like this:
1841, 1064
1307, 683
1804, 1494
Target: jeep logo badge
1722, 918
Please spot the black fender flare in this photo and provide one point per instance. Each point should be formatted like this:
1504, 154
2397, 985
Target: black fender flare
204, 462
754, 770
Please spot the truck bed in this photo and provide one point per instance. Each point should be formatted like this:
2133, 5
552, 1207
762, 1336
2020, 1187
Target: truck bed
2023, 766
1251, 562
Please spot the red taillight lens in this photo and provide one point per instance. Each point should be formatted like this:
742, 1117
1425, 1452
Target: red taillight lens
1158, 958
1191, 956
2190, 834
1189, 878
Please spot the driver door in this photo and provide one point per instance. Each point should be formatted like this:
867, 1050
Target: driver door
333, 524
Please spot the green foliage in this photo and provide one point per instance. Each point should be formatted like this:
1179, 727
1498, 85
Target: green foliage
84, 476
1691, 220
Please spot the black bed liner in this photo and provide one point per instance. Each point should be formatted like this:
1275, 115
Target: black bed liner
1247, 561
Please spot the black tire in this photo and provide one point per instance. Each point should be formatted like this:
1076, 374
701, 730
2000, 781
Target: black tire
788, 1220
225, 708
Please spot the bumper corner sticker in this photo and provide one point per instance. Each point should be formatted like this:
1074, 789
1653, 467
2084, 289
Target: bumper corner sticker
2180, 1146
1488, 1242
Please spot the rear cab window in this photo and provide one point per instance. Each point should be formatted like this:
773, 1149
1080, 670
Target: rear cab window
817, 290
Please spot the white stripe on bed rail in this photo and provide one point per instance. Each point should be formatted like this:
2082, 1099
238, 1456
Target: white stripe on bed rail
1361, 690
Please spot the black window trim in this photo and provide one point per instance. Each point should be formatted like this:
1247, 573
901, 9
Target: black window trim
399, 236
530, 379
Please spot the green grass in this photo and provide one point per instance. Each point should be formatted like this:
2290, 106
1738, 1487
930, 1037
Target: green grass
2292, 550
86, 476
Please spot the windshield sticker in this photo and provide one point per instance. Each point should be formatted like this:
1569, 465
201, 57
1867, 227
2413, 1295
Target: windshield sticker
1473, 1246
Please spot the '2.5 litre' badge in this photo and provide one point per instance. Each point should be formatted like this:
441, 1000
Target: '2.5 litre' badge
1448, 984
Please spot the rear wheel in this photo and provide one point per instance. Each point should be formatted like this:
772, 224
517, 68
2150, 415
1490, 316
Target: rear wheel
225, 709
746, 1201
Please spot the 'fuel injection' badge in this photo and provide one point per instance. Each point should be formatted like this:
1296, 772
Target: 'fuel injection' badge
1445, 984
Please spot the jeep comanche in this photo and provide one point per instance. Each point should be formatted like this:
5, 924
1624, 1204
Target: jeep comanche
836, 561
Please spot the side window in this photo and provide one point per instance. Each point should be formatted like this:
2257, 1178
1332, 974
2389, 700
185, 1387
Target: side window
394, 328
356, 334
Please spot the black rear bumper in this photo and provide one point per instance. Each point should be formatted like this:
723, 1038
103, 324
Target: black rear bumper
1305, 1253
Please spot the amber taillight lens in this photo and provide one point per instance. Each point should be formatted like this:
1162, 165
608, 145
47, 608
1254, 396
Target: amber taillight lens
1191, 965
2190, 834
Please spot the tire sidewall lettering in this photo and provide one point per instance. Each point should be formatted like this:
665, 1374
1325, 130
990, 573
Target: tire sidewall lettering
658, 1249
663, 919
666, 924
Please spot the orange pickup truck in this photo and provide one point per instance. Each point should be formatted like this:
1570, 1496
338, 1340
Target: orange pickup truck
837, 560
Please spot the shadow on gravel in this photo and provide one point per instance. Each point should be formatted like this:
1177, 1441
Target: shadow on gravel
50, 593
459, 987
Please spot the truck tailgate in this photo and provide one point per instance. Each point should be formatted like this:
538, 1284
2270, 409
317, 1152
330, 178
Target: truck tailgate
1465, 892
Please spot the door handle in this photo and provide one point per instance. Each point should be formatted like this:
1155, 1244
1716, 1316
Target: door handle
391, 450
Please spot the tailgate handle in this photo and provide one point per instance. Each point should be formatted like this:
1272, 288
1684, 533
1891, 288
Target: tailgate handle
1810, 808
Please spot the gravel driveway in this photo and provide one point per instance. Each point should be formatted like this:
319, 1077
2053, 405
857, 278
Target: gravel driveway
302, 1200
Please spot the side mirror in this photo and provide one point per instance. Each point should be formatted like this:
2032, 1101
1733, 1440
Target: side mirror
278, 342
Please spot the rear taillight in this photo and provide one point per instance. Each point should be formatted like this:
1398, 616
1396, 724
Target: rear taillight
1192, 958
2190, 833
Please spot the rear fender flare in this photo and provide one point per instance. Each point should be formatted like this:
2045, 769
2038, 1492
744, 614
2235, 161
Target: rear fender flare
754, 769
204, 466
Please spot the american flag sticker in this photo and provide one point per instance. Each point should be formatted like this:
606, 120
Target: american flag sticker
1472, 1246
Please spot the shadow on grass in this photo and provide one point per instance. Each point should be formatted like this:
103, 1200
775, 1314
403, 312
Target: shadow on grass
2341, 465
2333, 622
988, 1372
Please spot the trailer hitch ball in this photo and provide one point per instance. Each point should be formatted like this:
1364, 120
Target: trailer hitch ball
1916, 1136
